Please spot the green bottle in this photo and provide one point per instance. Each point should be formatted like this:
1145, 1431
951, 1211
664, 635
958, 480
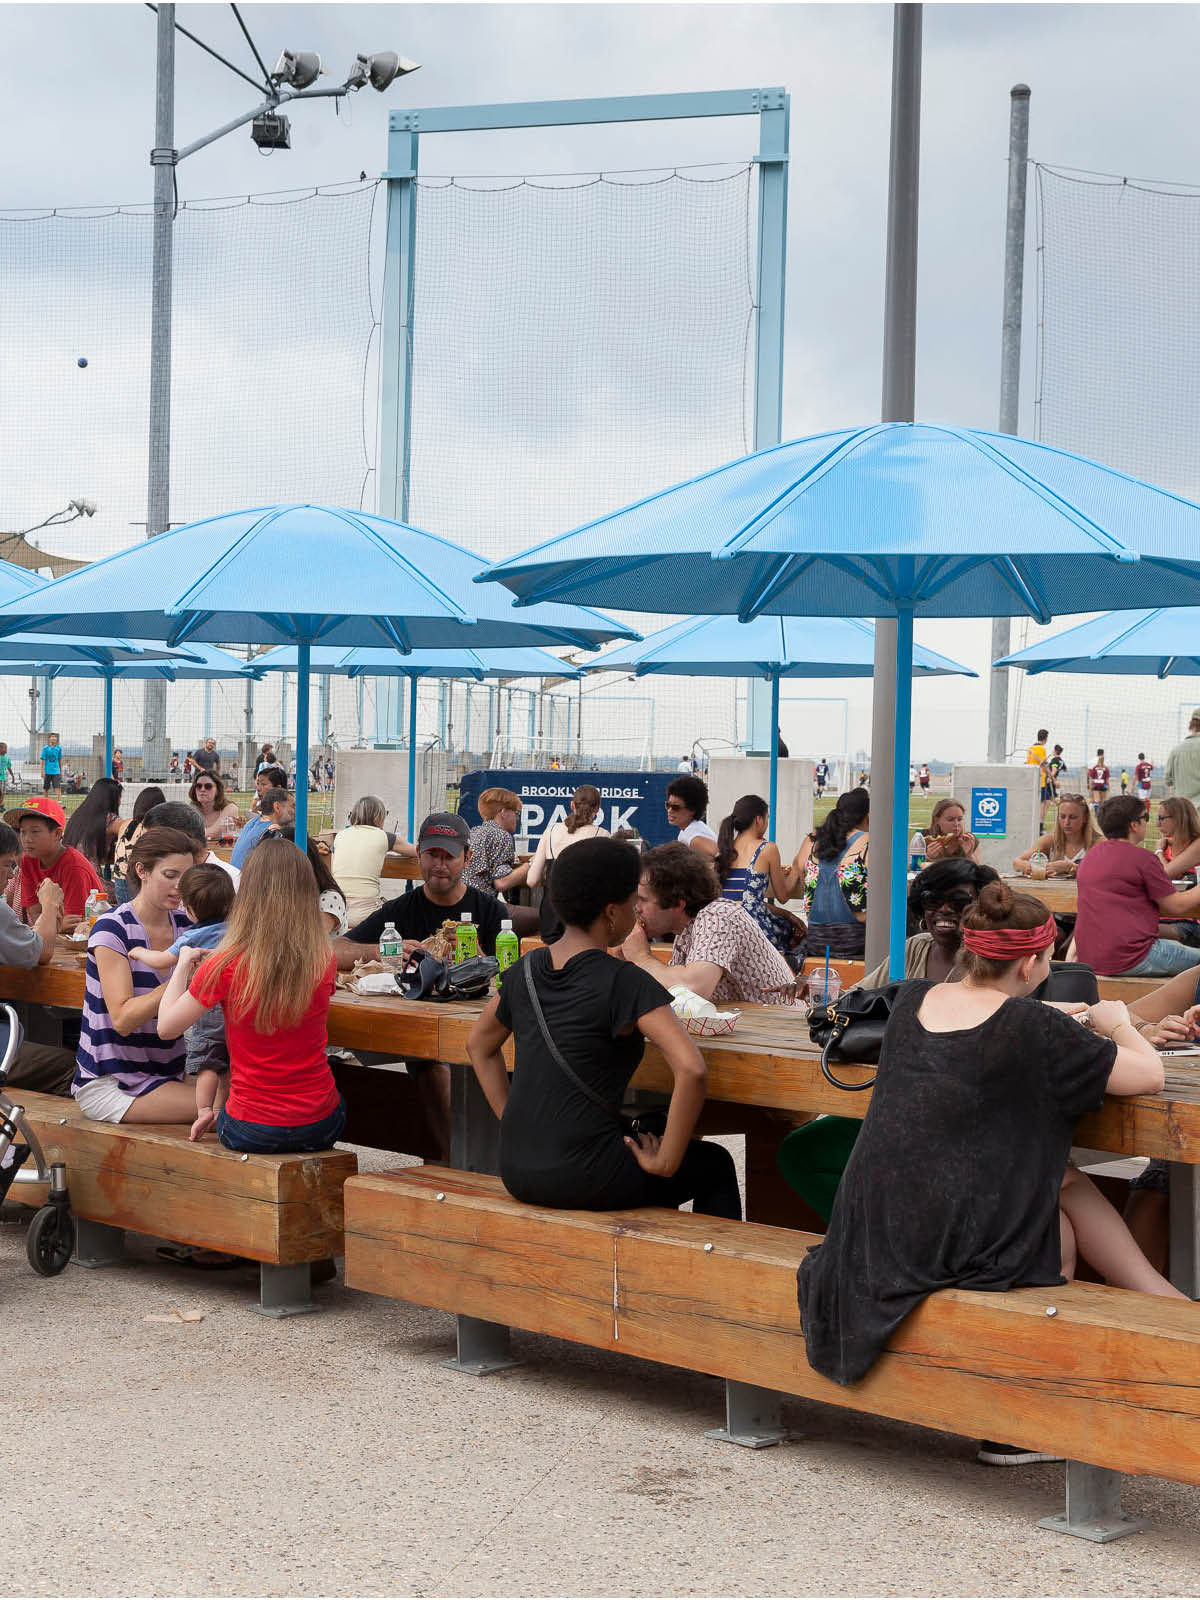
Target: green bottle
466, 938
508, 948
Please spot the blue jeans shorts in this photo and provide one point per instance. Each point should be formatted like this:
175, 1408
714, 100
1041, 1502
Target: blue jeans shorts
1164, 959
263, 1140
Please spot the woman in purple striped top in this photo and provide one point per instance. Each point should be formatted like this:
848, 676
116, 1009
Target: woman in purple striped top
124, 1072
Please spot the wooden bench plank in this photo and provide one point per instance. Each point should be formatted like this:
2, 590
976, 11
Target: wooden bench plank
1113, 1378
152, 1179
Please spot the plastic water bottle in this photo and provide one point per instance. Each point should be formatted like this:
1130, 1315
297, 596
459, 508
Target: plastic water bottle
916, 851
466, 938
508, 948
391, 948
95, 906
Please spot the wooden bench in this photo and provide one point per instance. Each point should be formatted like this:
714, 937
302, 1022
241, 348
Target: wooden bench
284, 1212
1107, 1378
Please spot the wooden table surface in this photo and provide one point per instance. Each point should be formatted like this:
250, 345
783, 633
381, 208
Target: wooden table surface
1056, 894
769, 1061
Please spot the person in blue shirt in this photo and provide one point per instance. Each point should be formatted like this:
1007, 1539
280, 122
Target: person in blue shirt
51, 765
273, 811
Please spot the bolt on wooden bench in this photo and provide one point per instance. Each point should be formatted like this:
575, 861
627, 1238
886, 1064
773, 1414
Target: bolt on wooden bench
284, 1212
1107, 1378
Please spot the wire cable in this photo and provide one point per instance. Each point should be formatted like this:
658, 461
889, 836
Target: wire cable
262, 66
179, 28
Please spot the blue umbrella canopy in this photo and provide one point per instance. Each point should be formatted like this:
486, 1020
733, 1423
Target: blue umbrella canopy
518, 662
109, 660
892, 520
947, 522
768, 647
787, 647
304, 575
1160, 643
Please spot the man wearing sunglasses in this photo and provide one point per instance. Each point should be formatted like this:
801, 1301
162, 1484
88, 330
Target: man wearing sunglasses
937, 898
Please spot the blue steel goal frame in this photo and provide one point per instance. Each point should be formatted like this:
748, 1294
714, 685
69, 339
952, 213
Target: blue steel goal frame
770, 106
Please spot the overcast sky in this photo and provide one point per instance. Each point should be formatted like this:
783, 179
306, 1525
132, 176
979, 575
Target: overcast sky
1113, 90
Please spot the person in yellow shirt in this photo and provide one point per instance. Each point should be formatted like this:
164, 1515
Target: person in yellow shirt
1035, 756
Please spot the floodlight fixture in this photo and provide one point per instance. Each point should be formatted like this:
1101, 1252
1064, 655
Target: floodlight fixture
297, 68
271, 130
379, 70
82, 508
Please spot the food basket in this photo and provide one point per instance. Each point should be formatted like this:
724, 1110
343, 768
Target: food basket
712, 1027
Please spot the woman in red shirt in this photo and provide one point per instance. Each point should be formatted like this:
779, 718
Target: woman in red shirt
273, 975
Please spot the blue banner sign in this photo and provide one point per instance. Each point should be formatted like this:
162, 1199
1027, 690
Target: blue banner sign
629, 799
989, 813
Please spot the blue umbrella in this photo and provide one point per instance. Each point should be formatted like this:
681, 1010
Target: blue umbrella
92, 659
885, 521
303, 575
768, 647
1160, 643
519, 662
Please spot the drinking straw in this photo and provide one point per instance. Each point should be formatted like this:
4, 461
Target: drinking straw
826, 974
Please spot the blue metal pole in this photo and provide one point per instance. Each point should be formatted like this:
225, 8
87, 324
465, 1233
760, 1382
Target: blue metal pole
898, 902
395, 355
412, 758
774, 799
303, 660
108, 724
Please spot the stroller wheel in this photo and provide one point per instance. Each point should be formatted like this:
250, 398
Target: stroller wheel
50, 1240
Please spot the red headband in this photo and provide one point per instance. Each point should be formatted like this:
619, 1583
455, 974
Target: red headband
1010, 944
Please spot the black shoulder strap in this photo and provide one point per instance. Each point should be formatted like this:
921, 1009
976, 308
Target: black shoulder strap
556, 1054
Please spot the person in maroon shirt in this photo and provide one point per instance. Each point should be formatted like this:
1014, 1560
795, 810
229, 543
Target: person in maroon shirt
40, 822
1123, 891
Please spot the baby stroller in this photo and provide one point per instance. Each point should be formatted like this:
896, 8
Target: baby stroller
50, 1241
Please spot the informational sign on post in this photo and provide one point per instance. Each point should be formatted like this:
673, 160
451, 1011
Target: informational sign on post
628, 799
989, 813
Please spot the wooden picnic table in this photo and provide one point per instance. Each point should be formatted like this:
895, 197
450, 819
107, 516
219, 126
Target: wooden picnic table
1056, 894
768, 1068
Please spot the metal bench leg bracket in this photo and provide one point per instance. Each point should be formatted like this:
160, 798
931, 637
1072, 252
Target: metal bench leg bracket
1093, 1506
285, 1291
751, 1417
482, 1347
98, 1245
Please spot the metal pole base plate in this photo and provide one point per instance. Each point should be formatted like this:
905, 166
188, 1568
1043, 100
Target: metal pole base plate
285, 1291
1098, 1532
751, 1417
1093, 1506
482, 1348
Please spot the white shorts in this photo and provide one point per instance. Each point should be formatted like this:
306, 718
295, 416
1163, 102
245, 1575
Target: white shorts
103, 1099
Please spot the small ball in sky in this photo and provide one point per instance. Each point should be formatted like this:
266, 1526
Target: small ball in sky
82, 362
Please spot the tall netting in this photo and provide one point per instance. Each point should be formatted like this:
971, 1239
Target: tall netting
576, 345
272, 394
1118, 380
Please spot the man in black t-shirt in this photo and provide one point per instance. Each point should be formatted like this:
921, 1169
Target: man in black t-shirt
207, 758
443, 850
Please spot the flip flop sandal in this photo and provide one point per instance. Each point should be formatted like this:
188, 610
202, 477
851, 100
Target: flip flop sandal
186, 1255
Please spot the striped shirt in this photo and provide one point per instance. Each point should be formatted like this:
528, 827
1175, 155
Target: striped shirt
139, 1061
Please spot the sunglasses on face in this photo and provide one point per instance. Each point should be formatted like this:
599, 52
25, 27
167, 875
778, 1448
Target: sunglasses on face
211, 786
957, 900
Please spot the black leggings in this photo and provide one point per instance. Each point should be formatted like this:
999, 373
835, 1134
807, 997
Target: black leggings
706, 1176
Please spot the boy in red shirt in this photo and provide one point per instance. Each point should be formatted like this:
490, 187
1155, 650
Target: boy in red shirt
40, 822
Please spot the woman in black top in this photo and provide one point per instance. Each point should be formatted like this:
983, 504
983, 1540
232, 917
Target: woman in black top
558, 1146
991, 1084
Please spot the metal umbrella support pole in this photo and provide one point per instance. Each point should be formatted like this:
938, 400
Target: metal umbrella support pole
892, 704
1010, 377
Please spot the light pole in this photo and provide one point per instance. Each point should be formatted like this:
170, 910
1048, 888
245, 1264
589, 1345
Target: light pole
291, 78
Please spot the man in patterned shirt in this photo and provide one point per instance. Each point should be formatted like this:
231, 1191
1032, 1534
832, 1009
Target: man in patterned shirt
719, 952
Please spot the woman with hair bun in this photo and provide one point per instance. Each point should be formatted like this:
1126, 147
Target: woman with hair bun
960, 1176
831, 865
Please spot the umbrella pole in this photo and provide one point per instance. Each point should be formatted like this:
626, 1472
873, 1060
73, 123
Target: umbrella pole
303, 658
108, 724
412, 759
774, 792
898, 898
